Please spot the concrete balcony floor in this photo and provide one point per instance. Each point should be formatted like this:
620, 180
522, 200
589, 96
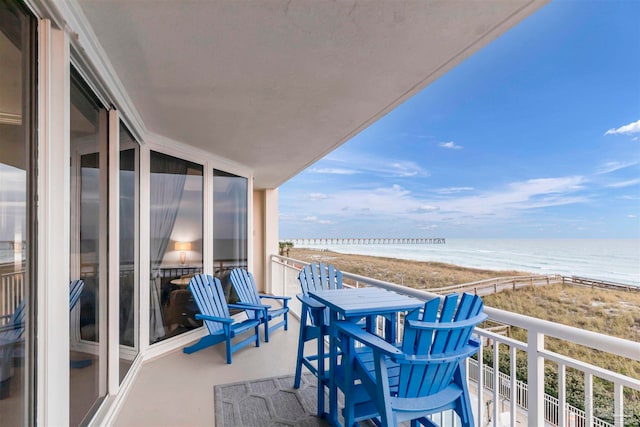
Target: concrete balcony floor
176, 389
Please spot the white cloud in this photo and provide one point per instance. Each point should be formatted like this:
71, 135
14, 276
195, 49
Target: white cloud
426, 209
517, 196
631, 216
629, 129
624, 184
334, 171
317, 196
452, 190
609, 167
313, 218
395, 203
359, 163
451, 145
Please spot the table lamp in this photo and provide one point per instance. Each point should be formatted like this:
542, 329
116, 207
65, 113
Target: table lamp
183, 247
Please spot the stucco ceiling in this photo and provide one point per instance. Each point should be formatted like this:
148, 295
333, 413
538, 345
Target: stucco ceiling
276, 85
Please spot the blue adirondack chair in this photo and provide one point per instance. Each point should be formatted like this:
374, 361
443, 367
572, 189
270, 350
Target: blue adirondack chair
11, 333
314, 319
75, 289
425, 375
214, 310
242, 281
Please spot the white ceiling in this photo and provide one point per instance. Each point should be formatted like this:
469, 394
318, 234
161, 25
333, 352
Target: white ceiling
276, 85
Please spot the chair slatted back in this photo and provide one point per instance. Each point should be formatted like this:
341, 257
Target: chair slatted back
245, 286
442, 334
209, 297
318, 277
75, 289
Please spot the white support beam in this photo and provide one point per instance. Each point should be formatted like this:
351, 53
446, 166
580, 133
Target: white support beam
114, 254
53, 185
271, 234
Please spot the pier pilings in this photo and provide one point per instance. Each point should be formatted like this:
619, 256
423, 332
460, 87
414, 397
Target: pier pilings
367, 241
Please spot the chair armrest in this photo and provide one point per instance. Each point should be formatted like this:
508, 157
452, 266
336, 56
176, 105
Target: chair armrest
283, 298
247, 306
375, 342
213, 318
311, 302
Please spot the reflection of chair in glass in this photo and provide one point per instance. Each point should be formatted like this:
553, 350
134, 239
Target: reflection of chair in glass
180, 308
426, 375
75, 289
314, 318
247, 291
10, 335
214, 310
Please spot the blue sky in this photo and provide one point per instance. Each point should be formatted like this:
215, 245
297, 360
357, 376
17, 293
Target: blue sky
536, 135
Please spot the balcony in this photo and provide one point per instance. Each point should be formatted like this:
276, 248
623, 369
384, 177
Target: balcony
177, 389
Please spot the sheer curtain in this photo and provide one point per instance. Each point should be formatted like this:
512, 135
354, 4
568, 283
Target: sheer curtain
168, 176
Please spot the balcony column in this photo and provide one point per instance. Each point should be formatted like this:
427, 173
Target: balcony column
271, 231
535, 378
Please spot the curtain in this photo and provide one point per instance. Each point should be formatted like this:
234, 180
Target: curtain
168, 176
127, 251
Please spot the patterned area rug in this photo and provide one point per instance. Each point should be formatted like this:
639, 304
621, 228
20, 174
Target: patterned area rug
267, 402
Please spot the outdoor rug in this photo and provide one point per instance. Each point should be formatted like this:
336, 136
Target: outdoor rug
268, 402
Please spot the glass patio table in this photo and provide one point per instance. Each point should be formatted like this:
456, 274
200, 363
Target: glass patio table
354, 304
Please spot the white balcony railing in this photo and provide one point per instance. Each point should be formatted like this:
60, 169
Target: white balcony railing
11, 293
530, 404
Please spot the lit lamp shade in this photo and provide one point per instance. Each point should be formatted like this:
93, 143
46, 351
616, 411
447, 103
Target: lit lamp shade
183, 247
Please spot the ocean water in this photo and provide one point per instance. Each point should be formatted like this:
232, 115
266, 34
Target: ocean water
614, 260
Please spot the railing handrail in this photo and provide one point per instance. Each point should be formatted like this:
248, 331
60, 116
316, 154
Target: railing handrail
502, 281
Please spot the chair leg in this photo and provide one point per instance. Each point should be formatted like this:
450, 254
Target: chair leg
228, 350
286, 321
301, 341
257, 332
321, 375
266, 330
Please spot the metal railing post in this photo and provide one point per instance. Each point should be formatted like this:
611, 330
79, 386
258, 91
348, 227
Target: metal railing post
535, 378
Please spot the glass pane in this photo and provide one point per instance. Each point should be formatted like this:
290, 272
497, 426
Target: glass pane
176, 205
129, 294
15, 233
88, 338
229, 225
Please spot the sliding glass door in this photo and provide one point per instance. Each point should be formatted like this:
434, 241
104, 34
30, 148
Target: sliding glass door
17, 39
89, 232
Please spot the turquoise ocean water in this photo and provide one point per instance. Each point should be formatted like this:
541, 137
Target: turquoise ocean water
615, 260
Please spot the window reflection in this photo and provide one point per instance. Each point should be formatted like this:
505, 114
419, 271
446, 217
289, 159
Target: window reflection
88, 257
176, 209
16, 51
229, 226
